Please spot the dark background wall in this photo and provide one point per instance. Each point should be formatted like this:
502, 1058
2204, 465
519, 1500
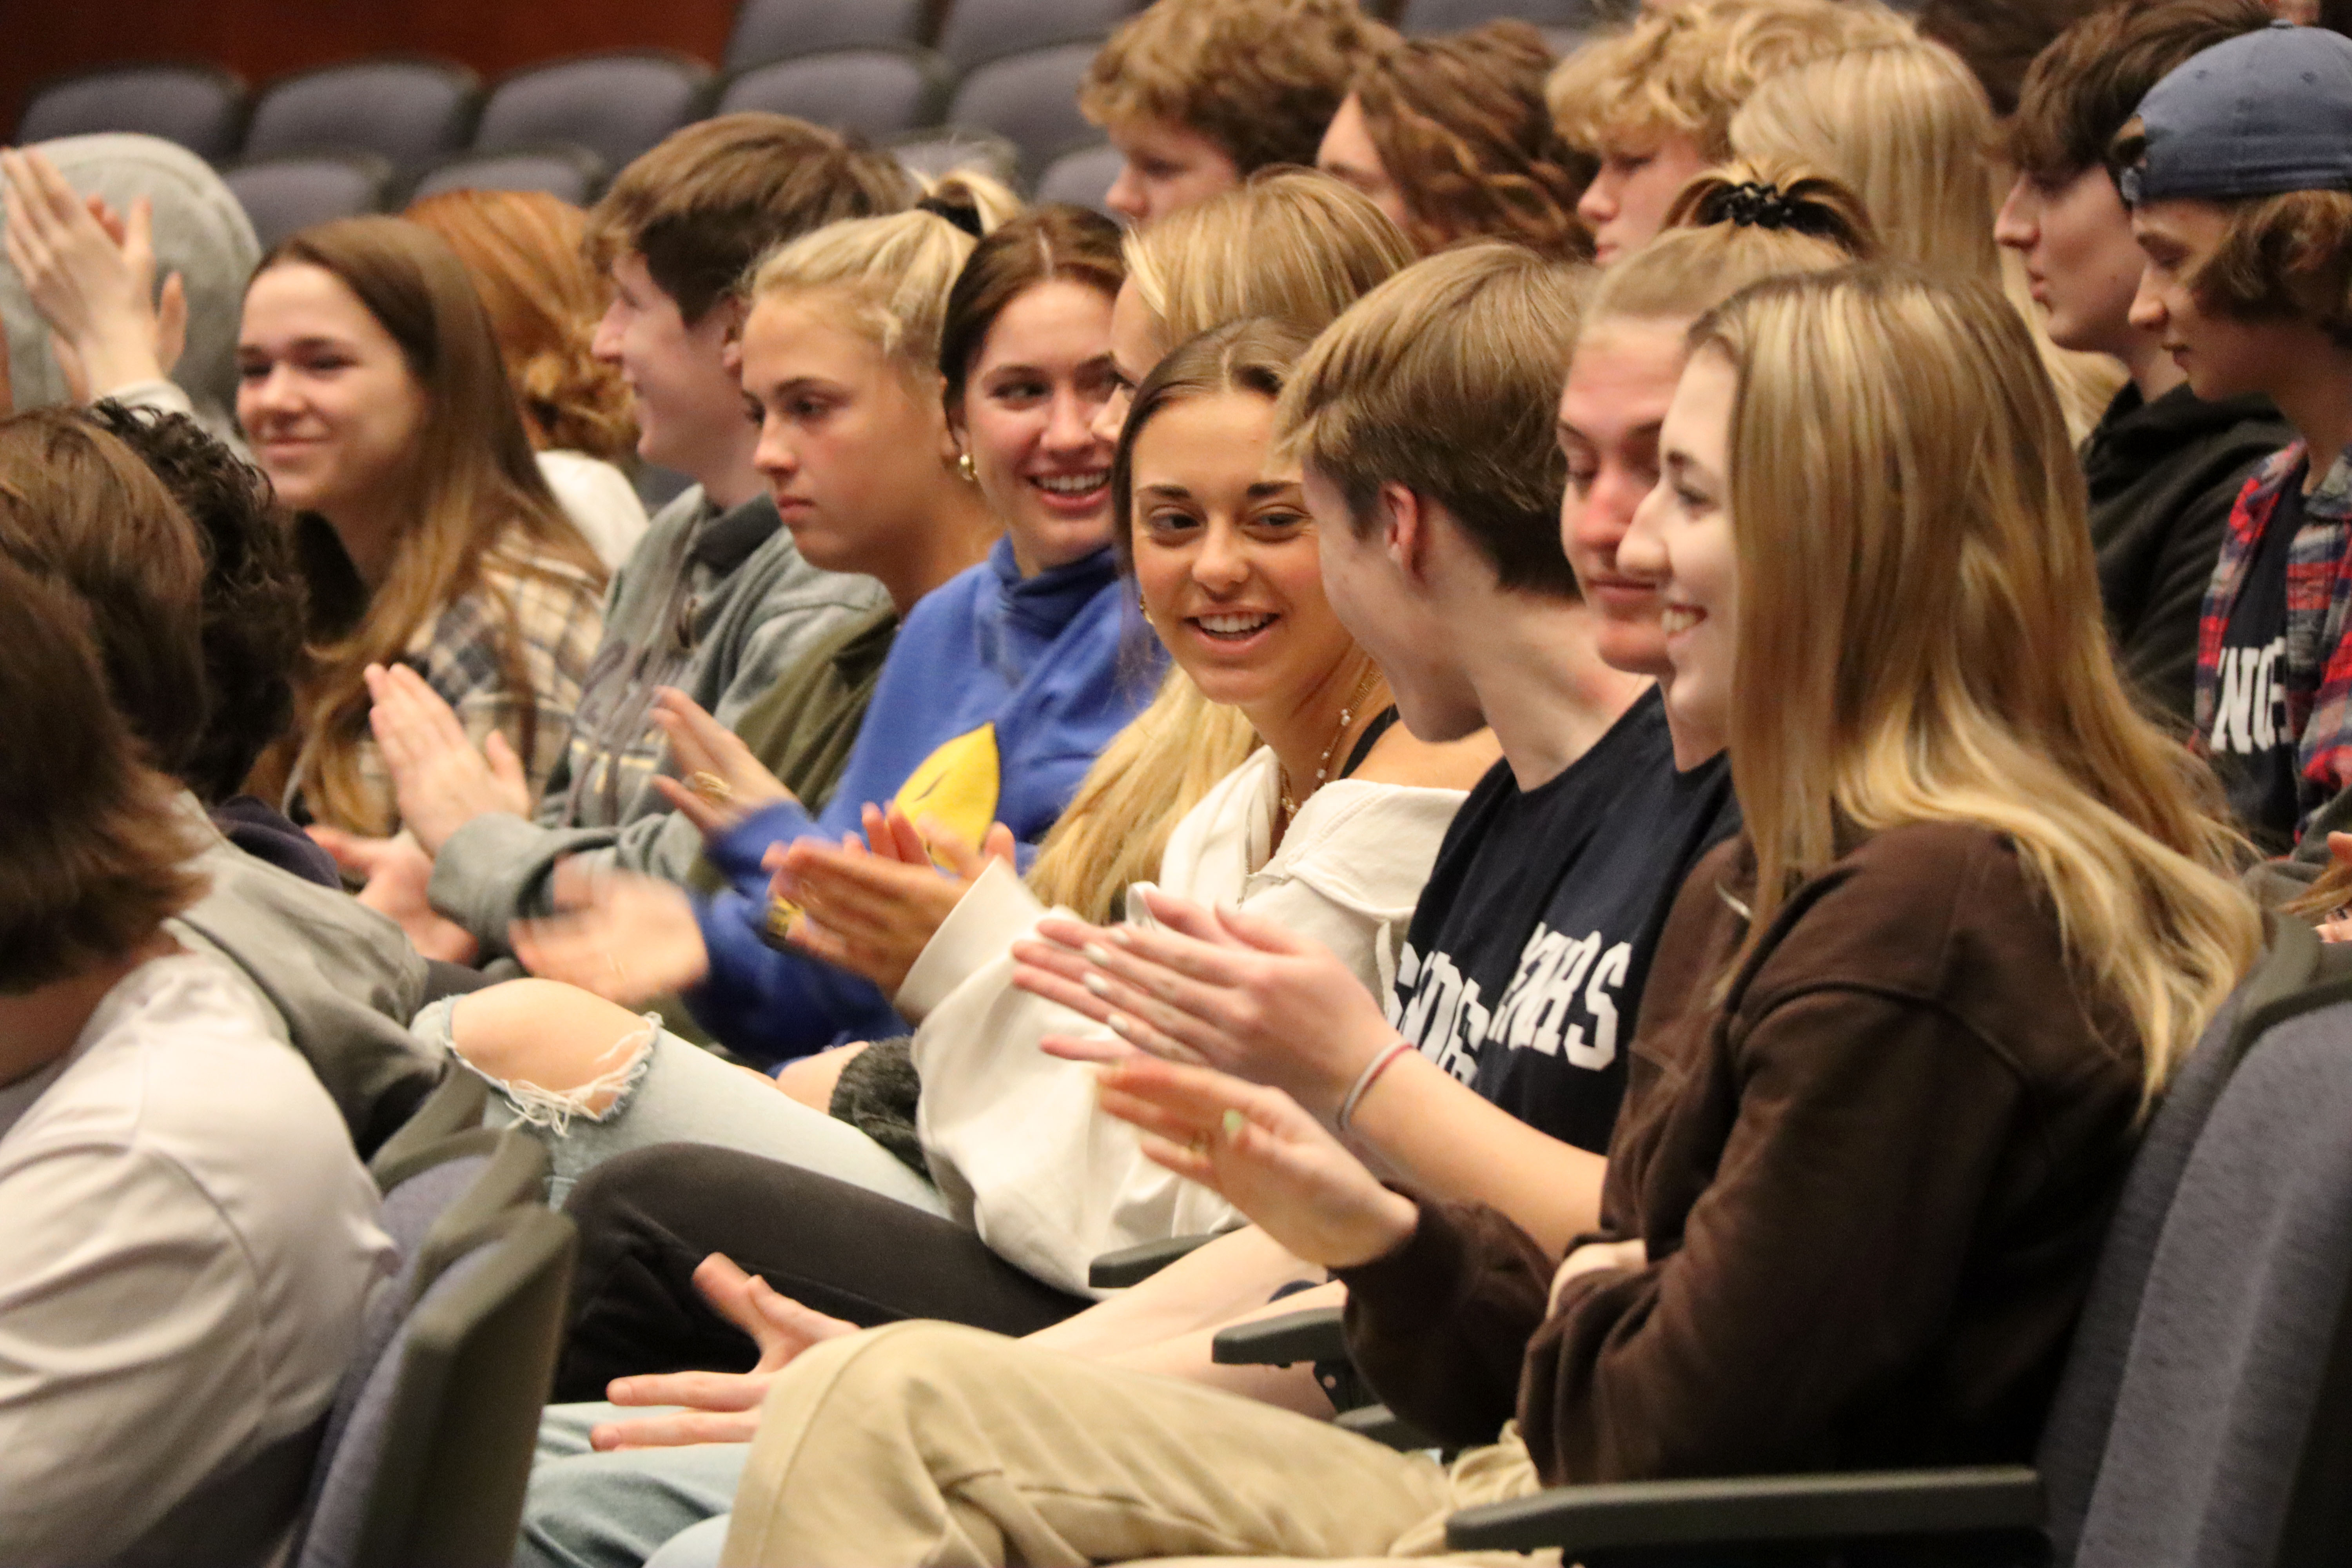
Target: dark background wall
261, 38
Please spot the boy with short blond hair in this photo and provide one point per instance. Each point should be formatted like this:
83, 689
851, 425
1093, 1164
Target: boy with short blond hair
1655, 102
1200, 94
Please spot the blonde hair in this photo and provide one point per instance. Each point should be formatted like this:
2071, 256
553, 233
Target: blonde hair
1292, 247
1705, 255
1293, 244
1906, 125
1445, 379
893, 272
1159, 768
1684, 70
1260, 79
1906, 129
1919, 638
524, 250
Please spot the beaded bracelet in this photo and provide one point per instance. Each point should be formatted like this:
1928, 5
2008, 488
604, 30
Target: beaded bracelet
1366, 1078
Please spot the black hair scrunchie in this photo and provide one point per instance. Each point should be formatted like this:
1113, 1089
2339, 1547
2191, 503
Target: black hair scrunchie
962, 214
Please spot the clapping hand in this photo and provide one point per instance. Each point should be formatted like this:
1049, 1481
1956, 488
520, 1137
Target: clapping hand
440, 781
721, 1407
92, 277
721, 783
872, 907
626, 938
1265, 1155
1221, 987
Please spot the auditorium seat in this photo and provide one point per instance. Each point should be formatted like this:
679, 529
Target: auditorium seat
411, 112
877, 94
616, 104
768, 30
201, 107
1030, 99
283, 195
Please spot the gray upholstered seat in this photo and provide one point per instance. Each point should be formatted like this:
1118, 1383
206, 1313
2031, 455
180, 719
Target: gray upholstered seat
1031, 100
874, 92
981, 30
283, 195
407, 110
615, 104
560, 169
199, 106
768, 30
1081, 177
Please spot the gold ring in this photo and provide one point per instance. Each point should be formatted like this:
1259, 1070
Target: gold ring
782, 913
1199, 1144
709, 787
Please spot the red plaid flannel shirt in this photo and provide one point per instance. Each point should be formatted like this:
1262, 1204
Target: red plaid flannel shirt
2318, 609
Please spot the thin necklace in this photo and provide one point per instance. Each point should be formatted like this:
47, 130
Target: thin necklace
1323, 763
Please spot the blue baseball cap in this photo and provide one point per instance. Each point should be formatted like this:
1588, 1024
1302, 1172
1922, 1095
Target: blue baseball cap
2268, 111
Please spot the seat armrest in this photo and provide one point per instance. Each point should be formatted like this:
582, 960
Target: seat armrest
1134, 1265
1313, 1334
1384, 1426
1744, 1510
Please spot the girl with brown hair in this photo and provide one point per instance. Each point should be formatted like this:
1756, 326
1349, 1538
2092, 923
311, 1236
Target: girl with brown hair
525, 251
372, 390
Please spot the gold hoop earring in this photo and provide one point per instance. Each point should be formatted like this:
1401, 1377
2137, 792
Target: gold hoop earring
965, 466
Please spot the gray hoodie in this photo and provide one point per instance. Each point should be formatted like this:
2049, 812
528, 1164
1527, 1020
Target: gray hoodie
718, 605
201, 232
342, 977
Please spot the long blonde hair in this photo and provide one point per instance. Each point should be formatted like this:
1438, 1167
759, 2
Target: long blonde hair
1919, 638
1906, 126
1291, 247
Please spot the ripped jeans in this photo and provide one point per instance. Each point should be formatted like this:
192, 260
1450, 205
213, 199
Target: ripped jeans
671, 1091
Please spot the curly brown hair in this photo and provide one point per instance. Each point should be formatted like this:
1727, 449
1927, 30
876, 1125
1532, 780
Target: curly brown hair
1261, 79
2284, 256
254, 605
1462, 127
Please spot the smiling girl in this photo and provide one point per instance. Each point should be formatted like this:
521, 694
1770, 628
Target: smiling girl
371, 388
1899, 1036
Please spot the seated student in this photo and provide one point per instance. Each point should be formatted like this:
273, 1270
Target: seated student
1908, 127
1197, 95
716, 600
526, 252
372, 391
1529, 661
2244, 211
996, 695
82, 510
80, 301
1816, 1252
1452, 139
1655, 102
189, 1238
2164, 466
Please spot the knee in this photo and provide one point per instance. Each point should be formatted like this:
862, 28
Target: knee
543, 1033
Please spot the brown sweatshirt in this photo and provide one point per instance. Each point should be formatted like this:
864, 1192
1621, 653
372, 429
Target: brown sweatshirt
1872, 1181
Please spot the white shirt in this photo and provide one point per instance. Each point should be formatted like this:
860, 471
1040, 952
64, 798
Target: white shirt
600, 501
186, 1241
1013, 1139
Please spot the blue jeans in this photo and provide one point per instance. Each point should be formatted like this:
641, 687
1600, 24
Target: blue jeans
586, 1509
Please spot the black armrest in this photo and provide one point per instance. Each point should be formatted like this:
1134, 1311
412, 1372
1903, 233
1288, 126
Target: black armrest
1384, 1426
1742, 1510
1134, 1265
1314, 1335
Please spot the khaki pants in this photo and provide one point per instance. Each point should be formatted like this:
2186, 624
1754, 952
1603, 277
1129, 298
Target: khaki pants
933, 1444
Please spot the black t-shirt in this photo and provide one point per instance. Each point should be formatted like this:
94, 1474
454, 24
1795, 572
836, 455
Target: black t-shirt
1525, 955
2253, 749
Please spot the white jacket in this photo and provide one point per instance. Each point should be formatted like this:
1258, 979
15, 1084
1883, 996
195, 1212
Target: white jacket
1014, 1141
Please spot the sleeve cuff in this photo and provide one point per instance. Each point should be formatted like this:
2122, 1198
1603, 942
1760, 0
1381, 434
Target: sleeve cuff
1419, 1280
997, 911
738, 851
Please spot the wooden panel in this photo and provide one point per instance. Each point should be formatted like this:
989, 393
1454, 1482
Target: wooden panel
262, 38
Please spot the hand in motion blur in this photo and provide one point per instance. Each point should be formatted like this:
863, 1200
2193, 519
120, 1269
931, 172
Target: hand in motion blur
396, 872
1264, 1154
720, 782
721, 1407
439, 780
1222, 987
91, 274
628, 939
872, 907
